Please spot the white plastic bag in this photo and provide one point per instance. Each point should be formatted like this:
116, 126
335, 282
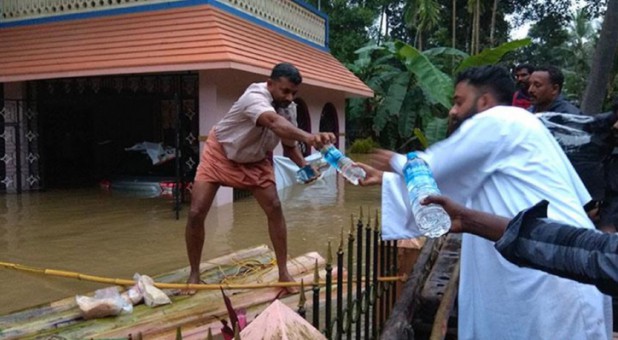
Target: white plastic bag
105, 302
153, 296
134, 294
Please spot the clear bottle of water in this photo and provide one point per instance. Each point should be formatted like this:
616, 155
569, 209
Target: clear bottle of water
431, 219
343, 164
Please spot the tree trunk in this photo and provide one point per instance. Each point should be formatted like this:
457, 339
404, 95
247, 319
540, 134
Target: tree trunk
419, 40
478, 27
602, 62
454, 33
454, 21
382, 14
492, 29
473, 32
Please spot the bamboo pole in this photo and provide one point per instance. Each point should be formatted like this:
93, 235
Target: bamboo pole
163, 285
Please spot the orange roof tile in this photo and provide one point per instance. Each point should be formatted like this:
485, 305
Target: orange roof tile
188, 38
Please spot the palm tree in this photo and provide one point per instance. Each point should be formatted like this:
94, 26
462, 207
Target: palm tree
474, 8
577, 51
492, 29
422, 15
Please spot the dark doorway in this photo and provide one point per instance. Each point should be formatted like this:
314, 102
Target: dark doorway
87, 126
303, 120
329, 121
84, 137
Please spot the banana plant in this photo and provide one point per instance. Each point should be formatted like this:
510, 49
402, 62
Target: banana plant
413, 88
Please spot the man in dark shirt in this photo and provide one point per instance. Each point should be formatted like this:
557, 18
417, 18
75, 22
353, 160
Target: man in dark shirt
521, 98
545, 92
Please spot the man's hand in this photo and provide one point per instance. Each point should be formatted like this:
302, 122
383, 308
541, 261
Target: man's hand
455, 211
374, 176
320, 139
380, 159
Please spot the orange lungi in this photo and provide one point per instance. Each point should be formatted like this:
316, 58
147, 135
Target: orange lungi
215, 167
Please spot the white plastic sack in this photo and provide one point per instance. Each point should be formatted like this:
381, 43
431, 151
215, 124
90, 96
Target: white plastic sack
153, 296
106, 302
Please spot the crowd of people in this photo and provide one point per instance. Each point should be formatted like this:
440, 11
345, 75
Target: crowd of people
498, 161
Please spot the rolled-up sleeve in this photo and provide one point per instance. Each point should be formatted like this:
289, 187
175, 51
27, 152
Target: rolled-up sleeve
585, 255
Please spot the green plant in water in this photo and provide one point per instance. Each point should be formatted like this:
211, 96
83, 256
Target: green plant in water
363, 145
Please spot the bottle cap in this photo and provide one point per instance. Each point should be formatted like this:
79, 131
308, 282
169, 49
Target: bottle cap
412, 155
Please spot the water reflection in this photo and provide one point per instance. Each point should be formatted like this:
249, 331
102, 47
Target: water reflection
99, 234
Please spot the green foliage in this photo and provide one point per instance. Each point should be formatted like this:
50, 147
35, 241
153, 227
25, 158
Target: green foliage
492, 55
349, 21
421, 137
411, 90
363, 145
436, 130
436, 85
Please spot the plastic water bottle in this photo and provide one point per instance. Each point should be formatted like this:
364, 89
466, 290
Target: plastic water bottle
304, 174
431, 219
343, 164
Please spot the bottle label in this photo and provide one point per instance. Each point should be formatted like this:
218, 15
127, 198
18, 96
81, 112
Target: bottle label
419, 180
332, 156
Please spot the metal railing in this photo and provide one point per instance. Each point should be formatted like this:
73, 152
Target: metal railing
369, 286
19, 150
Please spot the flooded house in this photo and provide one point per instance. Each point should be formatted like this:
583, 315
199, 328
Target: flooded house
84, 82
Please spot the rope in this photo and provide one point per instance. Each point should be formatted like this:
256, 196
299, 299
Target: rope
181, 286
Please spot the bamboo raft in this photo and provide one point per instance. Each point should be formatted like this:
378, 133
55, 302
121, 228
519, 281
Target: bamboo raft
195, 315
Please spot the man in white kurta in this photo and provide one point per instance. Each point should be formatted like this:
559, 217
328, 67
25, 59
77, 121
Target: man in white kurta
501, 161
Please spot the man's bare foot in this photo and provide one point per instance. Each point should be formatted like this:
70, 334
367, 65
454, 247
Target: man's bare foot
194, 278
286, 277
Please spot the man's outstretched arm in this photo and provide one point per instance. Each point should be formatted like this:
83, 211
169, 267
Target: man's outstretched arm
534, 241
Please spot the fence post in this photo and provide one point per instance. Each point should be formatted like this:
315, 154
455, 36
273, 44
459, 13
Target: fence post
368, 283
316, 297
383, 285
350, 285
329, 284
302, 300
375, 292
395, 272
359, 274
340, 287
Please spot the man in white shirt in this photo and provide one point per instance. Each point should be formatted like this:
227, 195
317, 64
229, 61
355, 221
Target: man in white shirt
501, 160
238, 153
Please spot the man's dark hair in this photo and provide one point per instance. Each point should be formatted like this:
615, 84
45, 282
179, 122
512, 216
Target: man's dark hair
527, 67
288, 71
497, 80
555, 75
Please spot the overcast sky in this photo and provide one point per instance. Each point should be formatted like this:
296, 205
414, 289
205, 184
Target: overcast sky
522, 31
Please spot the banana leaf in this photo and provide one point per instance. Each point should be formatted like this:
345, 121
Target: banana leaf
490, 56
436, 85
436, 130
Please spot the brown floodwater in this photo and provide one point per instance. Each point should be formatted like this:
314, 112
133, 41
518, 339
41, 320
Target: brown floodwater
88, 231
